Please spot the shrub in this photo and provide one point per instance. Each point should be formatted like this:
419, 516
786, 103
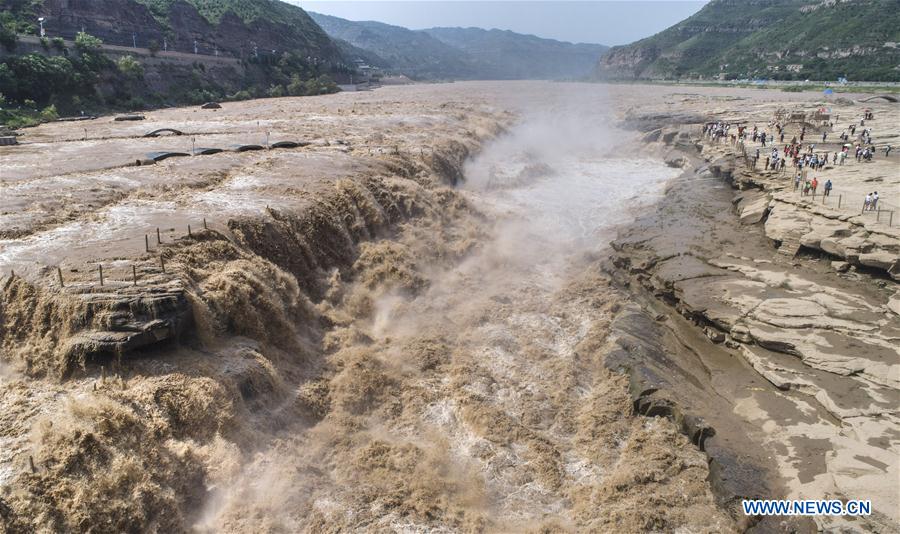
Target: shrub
58, 43
8, 38
276, 91
85, 42
49, 113
297, 87
136, 103
241, 95
130, 67
16, 119
45, 43
199, 96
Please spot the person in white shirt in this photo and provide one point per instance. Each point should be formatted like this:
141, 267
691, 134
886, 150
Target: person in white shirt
868, 202
875, 200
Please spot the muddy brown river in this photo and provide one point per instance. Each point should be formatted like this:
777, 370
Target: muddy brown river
401, 325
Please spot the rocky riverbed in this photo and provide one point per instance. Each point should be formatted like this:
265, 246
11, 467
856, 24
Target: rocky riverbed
795, 287
408, 316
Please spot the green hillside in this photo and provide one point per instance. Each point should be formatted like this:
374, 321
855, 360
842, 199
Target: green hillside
243, 49
778, 39
247, 10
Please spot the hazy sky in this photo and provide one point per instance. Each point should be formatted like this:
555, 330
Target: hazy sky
604, 22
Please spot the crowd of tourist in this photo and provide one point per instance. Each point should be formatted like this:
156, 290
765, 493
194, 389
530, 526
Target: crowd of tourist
857, 143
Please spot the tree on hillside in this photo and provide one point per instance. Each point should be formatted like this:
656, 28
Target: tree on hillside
130, 67
85, 42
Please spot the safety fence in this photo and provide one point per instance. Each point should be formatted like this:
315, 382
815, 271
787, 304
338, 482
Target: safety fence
881, 211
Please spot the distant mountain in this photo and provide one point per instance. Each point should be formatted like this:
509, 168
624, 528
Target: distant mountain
779, 39
513, 55
414, 53
464, 53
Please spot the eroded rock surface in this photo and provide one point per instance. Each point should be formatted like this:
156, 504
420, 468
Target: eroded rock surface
821, 327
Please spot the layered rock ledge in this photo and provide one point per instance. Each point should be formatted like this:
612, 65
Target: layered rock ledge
802, 293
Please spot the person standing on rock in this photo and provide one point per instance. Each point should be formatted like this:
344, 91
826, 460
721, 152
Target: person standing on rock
868, 202
814, 185
824, 135
797, 182
887, 150
875, 201
828, 186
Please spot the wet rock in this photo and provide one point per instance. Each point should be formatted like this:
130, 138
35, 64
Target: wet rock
741, 334
879, 260
753, 207
675, 160
769, 338
714, 335
653, 136
894, 303
722, 167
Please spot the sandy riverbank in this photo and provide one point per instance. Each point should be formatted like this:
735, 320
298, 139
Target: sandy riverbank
405, 324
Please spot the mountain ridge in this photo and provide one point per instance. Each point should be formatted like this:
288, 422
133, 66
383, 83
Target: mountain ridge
778, 39
464, 53
515, 55
231, 27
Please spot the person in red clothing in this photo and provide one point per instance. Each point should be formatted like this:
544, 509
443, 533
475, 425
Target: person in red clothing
814, 184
